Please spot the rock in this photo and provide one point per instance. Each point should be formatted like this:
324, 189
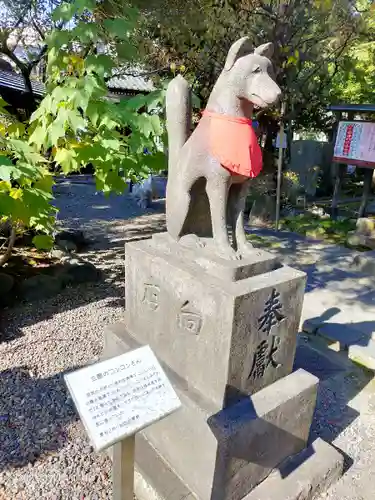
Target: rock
364, 263
317, 211
354, 239
57, 253
72, 237
365, 226
80, 273
67, 246
40, 286
6, 284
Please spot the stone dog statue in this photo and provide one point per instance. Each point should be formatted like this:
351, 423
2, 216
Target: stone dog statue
210, 169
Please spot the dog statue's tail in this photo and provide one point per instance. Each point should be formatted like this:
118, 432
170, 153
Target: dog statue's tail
178, 107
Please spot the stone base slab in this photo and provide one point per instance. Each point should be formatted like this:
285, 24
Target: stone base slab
225, 454
209, 330
256, 262
301, 477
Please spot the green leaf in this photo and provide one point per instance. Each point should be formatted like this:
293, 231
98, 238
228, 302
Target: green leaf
64, 12
126, 50
155, 121
135, 103
43, 241
118, 27
6, 168
86, 32
113, 182
156, 161
67, 159
38, 137
55, 131
195, 101
111, 144
2, 106
76, 121
16, 129
45, 183
99, 64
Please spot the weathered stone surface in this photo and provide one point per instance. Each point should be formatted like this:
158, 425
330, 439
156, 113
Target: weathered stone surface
234, 449
41, 286
363, 355
300, 477
258, 433
205, 194
212, 332
303, 476
257, 262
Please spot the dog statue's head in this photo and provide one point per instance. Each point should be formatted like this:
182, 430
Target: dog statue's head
249, 73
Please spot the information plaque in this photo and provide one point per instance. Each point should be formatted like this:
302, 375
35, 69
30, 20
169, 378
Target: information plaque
120, 396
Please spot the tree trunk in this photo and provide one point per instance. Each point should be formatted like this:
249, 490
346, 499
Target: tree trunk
8, 252
30, 94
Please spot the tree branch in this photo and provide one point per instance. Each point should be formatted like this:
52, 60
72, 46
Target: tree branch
37, 60
38, 29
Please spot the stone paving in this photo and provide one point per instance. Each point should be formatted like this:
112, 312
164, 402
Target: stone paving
339, 314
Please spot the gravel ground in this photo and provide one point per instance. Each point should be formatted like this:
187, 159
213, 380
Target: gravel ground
44, 452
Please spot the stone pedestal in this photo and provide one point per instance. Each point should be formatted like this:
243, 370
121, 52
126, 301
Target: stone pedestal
225, 333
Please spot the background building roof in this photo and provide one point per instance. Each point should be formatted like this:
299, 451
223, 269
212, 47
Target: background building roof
117, 84
130, 81
14, 81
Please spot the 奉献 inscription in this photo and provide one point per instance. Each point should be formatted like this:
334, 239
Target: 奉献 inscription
264, 357
118, 397
151, 296
272, 314
189, 319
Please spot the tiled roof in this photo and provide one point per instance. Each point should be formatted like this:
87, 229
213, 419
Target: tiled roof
130, 82
119, 83
15, 81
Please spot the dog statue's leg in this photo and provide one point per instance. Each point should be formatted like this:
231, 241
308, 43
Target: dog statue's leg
217, 191
176, 210
242, 244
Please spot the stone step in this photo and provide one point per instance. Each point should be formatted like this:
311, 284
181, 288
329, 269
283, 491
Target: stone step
360, 347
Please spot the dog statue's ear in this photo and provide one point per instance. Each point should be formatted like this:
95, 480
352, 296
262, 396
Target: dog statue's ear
266, 50
239, 49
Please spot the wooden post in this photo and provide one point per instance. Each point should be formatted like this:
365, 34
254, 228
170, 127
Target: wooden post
123, 469
338, 174
280, 166
367, 181
336, 192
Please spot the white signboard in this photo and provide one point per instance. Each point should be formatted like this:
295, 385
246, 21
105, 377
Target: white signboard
120, 396
278, 143
355, 143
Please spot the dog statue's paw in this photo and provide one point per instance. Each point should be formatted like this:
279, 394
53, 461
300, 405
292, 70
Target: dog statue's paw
228, 253
192, 241
246, 250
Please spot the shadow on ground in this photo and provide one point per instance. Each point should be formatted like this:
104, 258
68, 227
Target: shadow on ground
326, 265
107, 253
34, 414
340, 382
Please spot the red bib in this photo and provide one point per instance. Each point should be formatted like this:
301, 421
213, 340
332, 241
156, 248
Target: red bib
232, 141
